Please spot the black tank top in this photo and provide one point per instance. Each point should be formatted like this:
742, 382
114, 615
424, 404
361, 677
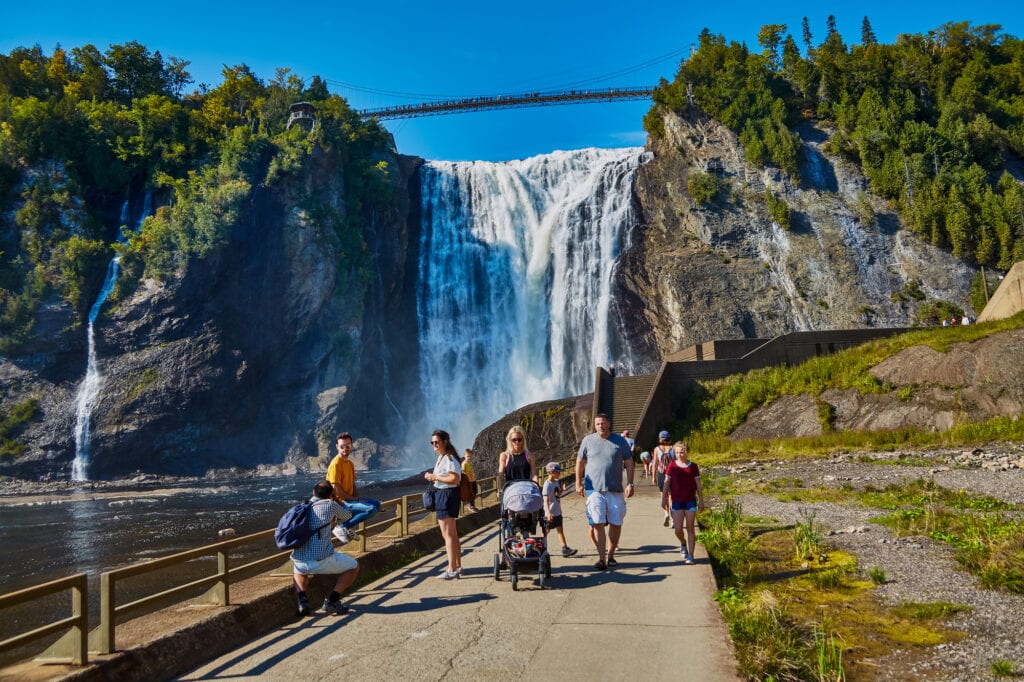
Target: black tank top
517, 468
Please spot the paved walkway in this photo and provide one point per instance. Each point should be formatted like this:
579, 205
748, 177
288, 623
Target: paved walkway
649, 618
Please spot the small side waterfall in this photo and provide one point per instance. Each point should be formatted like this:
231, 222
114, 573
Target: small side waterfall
515, 280
89, 389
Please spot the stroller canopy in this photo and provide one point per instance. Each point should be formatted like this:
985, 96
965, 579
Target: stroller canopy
522, 496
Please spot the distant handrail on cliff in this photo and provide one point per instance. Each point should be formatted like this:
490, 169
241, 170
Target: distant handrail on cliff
514, 101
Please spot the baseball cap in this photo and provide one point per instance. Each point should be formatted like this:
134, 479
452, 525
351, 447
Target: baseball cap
664, 435
553, 466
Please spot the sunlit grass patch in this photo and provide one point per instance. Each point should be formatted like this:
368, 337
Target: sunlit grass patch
929, 610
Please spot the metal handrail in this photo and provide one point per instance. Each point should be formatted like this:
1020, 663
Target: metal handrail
77, 624
408, 509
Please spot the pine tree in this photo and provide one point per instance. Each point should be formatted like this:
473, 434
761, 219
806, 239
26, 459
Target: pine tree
867, 35
808, 38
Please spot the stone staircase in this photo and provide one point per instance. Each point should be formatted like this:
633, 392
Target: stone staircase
624, 398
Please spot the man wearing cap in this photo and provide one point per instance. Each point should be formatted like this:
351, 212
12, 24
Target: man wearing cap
599, 477
553, 490
662, 456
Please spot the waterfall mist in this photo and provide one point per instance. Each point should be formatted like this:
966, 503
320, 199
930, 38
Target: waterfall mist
515, 281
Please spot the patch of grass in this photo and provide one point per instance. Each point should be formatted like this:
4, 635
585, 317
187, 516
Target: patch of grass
988, 544
928, 610
807, 537
877, 575
11, 422
1003, 668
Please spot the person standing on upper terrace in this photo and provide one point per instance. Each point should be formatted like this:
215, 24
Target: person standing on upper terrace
341, 474
599, 478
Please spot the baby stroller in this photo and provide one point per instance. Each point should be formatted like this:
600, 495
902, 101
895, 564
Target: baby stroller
520, 550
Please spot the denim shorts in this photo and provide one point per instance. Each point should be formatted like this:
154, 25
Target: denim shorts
685, 506
447, 502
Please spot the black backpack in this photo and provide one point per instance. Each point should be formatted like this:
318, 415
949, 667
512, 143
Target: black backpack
293, 530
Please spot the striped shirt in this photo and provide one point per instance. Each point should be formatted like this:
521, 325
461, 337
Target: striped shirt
319, 546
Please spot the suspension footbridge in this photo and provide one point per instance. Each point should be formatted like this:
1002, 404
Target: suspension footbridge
512, 101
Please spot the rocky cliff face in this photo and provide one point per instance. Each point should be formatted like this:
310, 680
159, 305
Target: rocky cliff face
253, 354
725, 269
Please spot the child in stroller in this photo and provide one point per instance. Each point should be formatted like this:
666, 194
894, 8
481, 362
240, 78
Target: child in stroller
520, 549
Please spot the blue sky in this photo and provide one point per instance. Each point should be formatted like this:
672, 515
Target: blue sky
459, 48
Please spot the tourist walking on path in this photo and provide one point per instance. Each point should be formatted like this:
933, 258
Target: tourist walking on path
318, 557
553, 489
341, 474
682, 485
445, 477
516, 462
469, 472
599, 478
662, 456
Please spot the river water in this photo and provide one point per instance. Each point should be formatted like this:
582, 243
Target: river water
62, 535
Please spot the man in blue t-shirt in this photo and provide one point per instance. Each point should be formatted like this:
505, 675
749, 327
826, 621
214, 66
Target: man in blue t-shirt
599, 477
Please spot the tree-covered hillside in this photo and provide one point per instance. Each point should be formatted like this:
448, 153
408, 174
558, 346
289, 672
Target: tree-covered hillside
935, 121
80, 129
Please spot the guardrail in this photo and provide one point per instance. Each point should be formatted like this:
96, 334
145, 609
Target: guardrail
78, 622
76, 645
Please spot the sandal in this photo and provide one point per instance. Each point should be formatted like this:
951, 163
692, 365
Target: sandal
612, 562
600, 566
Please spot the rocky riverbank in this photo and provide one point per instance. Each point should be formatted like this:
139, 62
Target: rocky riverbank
918, 568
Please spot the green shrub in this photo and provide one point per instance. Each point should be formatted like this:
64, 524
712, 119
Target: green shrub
703, 187
778, 209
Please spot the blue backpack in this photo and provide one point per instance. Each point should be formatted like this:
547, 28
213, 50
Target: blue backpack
293, 530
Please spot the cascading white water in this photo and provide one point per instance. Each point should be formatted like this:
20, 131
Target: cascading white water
515, 280
89, 389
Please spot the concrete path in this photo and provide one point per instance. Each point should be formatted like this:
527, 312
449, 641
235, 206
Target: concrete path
650, 618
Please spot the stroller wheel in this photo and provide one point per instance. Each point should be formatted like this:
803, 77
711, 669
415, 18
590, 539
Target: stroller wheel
547, 567
515, 582
497, 567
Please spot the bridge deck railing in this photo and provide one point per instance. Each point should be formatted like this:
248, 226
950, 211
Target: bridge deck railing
79, 642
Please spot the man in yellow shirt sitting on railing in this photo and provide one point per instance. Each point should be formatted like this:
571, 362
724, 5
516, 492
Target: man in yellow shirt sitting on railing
341, 474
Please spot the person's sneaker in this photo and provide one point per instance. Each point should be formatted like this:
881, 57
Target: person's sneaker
449, 575
600, 565
472, 509
682, 552
303, 606
340, 532
687, 559
612, 563
666, 521
568, 551
334, 608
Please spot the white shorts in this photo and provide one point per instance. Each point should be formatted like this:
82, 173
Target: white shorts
332, 564
606, 508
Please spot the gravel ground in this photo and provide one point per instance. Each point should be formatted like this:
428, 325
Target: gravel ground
917, 569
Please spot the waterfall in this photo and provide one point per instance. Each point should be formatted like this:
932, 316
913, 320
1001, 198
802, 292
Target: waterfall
89, 389
515, 280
